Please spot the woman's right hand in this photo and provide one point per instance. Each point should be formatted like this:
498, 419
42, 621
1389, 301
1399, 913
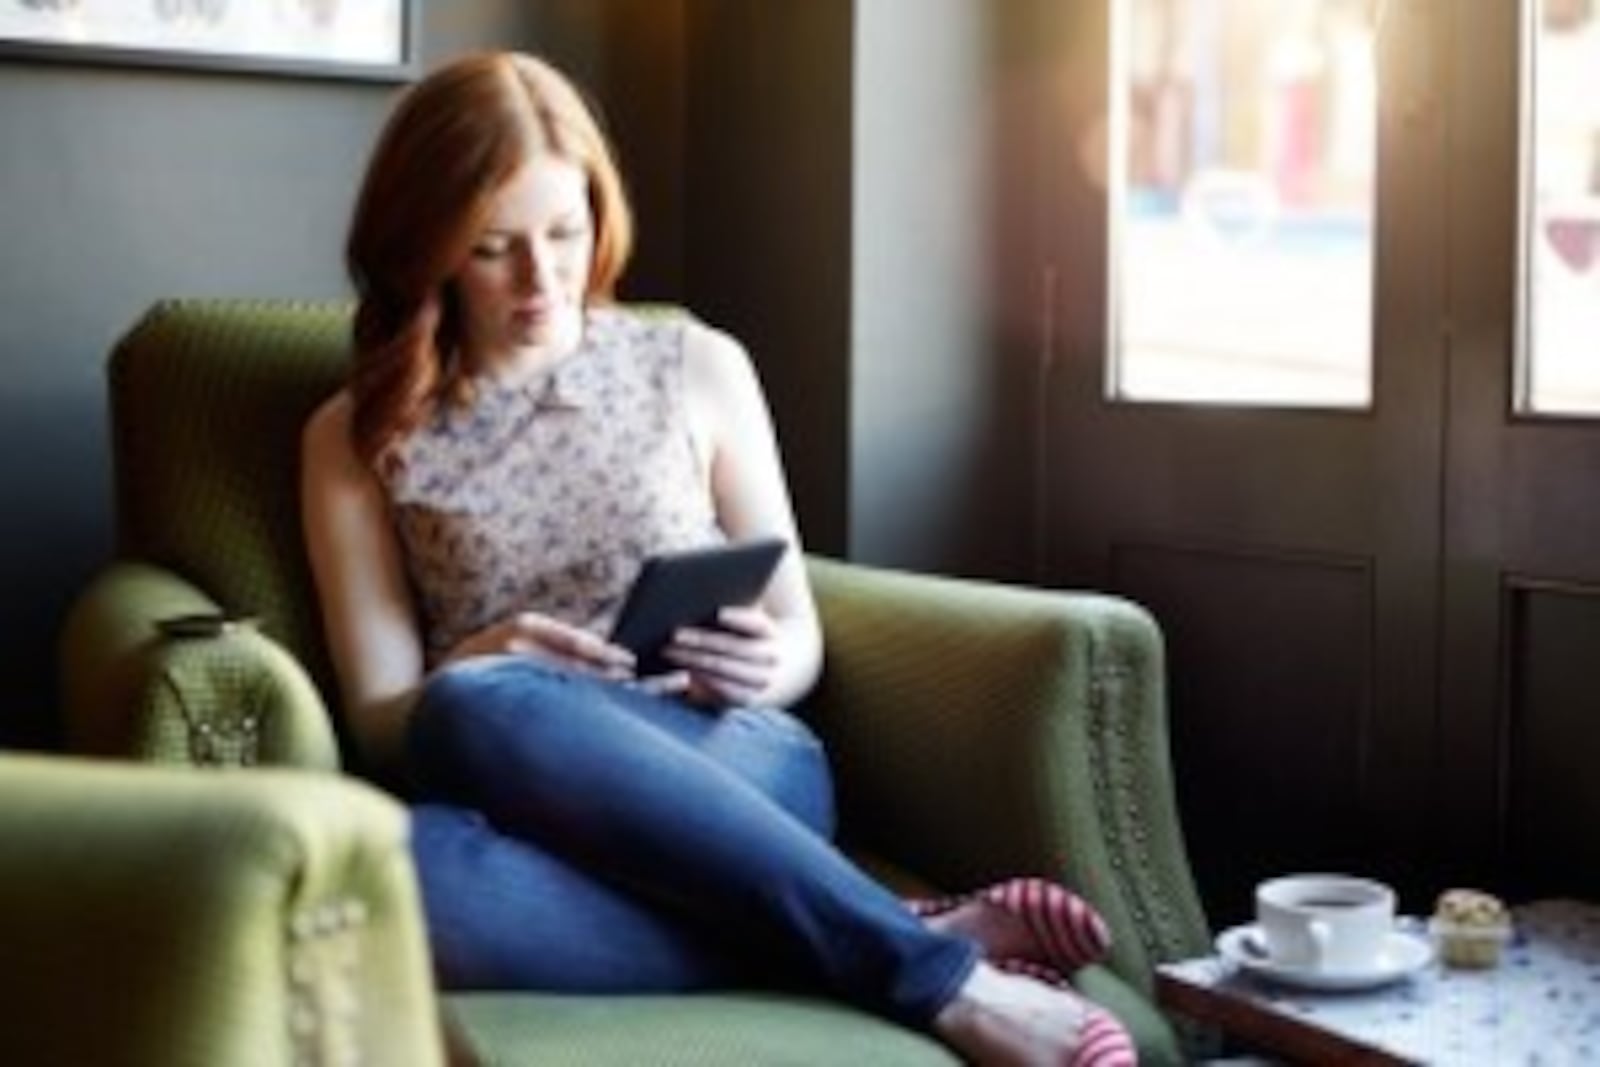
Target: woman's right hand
537, 636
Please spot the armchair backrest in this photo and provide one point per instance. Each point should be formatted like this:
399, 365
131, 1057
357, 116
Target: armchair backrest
208, 398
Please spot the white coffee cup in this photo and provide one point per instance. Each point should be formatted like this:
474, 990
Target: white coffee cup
1325, 922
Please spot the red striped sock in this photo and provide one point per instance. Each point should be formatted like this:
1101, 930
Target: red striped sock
1068, 929
1104, 1043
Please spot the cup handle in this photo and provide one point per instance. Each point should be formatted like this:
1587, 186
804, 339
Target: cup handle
1320, 935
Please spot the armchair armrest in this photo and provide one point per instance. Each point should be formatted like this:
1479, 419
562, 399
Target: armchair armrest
160, 915
981, 731
127, 690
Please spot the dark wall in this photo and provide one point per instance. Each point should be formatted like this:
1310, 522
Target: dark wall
768, 220
840, 220
120, 187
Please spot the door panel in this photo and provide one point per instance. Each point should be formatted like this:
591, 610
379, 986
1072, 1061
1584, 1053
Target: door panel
1519, 710
1551, 788
1248, 632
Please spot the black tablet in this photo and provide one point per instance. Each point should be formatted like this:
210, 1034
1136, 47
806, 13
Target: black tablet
688, 589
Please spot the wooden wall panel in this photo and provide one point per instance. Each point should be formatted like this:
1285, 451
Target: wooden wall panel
1272, 661
1551, 740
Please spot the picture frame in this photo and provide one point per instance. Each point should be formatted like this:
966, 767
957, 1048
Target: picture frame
373, 40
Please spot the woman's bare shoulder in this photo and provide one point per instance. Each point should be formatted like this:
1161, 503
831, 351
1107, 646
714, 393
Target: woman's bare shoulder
714, 358
327, 432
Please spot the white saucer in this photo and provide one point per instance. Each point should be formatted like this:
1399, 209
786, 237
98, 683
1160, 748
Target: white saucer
1403, 954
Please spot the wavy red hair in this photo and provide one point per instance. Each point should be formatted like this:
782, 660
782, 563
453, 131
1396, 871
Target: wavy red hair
453, 140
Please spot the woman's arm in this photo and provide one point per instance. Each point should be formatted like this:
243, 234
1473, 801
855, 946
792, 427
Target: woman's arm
770, 654
367, 614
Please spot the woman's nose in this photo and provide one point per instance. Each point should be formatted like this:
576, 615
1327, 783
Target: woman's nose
533, 270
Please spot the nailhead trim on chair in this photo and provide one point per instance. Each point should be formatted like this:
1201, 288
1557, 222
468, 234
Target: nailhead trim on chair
1109, 701
221, 740
227, 744
222, 704
324, 955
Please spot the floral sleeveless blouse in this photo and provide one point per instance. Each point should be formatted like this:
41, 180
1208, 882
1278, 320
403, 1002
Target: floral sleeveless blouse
547, 496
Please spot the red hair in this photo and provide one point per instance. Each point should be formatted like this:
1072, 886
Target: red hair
454, 139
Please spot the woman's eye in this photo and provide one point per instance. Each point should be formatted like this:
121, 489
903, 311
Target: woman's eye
490, 249
567, 234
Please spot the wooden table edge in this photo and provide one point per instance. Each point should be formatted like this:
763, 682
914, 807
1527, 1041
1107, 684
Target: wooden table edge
1267, 1030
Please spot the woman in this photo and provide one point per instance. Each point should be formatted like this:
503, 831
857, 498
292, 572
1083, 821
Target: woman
510, 447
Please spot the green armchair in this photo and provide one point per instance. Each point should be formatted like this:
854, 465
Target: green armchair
977, 730
162, 916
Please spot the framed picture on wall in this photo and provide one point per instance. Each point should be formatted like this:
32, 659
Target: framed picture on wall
370, 39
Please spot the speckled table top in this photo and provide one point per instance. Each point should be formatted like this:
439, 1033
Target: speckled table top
1540, 1006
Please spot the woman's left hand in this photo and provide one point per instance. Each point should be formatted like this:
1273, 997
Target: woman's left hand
734, 664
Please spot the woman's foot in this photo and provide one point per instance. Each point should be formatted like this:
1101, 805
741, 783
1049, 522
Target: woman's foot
1028, 919
1000, 933
1005, 1020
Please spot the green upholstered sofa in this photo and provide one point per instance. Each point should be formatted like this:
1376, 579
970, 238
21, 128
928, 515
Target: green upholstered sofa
978, 730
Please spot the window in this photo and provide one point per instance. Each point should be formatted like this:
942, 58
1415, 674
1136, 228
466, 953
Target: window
1243, 150
1560, 364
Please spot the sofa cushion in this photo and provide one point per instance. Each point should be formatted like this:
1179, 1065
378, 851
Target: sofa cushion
735, 1030
687, 1030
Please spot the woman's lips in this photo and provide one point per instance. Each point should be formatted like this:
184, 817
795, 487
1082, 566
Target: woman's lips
530, 314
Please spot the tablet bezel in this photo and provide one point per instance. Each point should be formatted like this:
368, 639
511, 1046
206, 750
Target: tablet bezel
688, 588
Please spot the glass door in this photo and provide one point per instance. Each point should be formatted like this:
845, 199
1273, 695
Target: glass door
1518, 714
1323, 360
1249, 388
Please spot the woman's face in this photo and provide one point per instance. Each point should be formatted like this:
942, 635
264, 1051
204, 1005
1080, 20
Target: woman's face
522, 288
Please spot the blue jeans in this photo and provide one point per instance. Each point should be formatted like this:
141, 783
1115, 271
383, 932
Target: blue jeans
576, 835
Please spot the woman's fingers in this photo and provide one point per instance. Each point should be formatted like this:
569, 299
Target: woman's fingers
535, 634
749, 674
721, 693
676, 683
729, 666
749, 621
697, 644
733, 663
